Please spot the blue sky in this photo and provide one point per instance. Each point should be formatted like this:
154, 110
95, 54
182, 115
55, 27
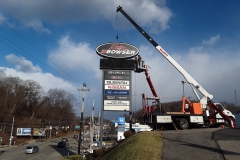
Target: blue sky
53, 43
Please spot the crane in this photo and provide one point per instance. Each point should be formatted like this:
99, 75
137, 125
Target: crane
206, 100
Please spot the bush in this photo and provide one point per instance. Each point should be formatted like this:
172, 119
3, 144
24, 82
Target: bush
127, 133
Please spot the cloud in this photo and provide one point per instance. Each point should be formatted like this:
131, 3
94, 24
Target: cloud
74, 56
38, 26
54, 12
3, 20
218, 75
21, 64
1, 17
212, 40
46, 80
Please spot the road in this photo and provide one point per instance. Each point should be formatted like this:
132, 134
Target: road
208, 143
48, 150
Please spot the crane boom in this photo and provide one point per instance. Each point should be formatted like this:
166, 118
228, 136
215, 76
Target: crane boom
188, 78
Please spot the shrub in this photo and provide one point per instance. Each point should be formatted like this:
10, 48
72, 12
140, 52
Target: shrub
127, 133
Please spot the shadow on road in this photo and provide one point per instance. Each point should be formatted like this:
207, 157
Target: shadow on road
2, 152
63, 151
217, 150
227, 134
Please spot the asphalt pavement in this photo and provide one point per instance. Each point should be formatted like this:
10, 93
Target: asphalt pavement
207, 143
228, 140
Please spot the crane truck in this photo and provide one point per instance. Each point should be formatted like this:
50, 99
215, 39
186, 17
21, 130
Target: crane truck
202, 113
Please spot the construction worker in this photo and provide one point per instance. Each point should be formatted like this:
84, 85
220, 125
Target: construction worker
136, 62
136, 59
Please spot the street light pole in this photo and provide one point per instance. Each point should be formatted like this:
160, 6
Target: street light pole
183, 87
81, 120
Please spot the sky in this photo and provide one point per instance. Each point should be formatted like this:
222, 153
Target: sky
53, 42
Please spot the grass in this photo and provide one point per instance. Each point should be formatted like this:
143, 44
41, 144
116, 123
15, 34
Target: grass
140, 146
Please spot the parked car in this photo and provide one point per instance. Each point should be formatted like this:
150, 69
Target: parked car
62, 144
32, 149
66, 141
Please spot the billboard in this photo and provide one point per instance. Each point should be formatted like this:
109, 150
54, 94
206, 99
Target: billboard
38, 131
116, 90
24, 131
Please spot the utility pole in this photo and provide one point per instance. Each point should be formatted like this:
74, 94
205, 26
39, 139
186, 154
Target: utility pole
81, 120
10, 142
92, 129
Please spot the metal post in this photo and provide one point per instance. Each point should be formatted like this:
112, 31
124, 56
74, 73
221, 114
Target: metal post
130, 107
130, 121
10, 142
81, 120
102, 112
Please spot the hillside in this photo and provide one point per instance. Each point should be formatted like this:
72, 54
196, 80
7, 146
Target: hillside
149, 143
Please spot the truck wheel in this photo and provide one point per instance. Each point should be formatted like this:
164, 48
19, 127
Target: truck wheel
183, 124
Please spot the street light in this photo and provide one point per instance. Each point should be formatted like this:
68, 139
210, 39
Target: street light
183, 87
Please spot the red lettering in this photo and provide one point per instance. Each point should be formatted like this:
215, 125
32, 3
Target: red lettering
116, 87
163, 52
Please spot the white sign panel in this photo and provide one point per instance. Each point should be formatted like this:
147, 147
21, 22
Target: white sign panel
117, 103
117, 108
116, 82
23, 131
116, 87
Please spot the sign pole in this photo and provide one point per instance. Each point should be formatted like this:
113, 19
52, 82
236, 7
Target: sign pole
130, 108
102, 108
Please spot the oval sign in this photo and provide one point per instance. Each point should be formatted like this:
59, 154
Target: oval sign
117, 50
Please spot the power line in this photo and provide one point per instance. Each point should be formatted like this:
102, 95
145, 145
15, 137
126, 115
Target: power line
37, 50
46, 67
